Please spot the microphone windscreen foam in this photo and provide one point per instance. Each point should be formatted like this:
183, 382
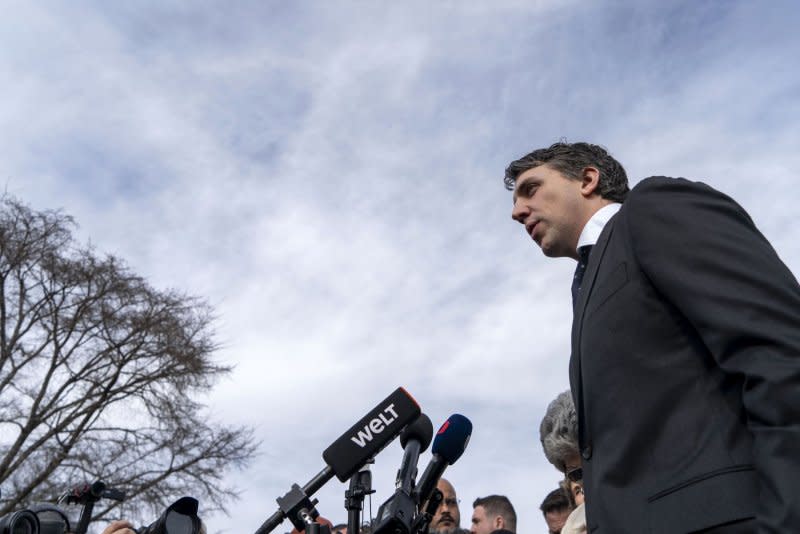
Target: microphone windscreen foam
452, 438
421, 430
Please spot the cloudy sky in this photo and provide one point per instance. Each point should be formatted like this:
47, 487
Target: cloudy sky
329, 176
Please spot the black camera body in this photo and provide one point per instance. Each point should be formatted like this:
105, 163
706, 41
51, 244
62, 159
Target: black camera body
52, 519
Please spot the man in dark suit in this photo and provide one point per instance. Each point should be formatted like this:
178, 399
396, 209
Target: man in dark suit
685, 366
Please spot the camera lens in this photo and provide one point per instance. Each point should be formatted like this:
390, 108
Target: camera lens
20, 522
23, 526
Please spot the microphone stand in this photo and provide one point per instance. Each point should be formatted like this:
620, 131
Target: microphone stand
360, 486
296, 504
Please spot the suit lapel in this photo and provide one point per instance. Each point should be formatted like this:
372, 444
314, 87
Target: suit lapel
589, 278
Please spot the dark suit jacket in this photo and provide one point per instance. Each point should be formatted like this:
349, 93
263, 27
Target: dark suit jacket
685, 368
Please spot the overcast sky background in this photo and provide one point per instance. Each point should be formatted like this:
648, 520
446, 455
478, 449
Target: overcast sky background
329, 176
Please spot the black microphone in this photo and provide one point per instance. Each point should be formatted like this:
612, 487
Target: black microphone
414, 440
348, 454
371, 434
449, 444
397, 513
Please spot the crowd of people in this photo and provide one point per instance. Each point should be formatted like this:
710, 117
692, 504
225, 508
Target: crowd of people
493, 514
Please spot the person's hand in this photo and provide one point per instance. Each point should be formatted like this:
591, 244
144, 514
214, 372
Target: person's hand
119, 527
321, 520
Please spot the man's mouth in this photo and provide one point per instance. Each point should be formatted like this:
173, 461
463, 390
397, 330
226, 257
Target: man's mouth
446, 519
531, 228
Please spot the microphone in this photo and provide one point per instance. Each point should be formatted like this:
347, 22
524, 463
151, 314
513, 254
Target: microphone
348, 454
371, 434
414, 440
397, 513
449, 444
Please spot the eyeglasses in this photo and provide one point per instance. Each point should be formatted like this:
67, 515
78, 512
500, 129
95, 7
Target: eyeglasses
575, 475
451, 502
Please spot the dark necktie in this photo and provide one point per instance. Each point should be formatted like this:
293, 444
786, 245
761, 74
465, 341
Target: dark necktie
583, 259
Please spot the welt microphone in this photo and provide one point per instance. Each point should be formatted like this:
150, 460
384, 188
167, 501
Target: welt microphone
449, 444
349, 453
397, 513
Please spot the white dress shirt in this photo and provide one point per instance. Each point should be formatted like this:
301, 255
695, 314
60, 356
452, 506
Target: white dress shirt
594, 226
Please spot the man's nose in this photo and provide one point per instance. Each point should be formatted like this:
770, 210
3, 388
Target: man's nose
519, 211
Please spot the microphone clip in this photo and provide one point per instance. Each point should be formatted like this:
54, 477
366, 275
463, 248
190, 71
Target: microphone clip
360, 487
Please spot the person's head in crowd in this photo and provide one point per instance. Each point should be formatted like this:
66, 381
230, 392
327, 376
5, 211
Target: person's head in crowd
341, 528
555, 508
574, 484
558, 433
448, 517
491, 513
575, 497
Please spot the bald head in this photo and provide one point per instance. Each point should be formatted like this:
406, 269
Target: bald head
448, 517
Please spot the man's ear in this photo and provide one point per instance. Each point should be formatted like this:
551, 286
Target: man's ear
590, 181
499, 523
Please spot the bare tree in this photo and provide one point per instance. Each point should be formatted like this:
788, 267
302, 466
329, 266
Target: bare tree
98, 372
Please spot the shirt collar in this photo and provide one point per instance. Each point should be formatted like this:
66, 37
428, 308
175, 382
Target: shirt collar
591, 232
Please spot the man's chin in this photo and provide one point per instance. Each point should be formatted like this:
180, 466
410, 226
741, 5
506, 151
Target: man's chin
545, 247
550, 253
555, 252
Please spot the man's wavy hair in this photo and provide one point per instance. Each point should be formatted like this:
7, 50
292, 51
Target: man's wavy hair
570, 159
559, 431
